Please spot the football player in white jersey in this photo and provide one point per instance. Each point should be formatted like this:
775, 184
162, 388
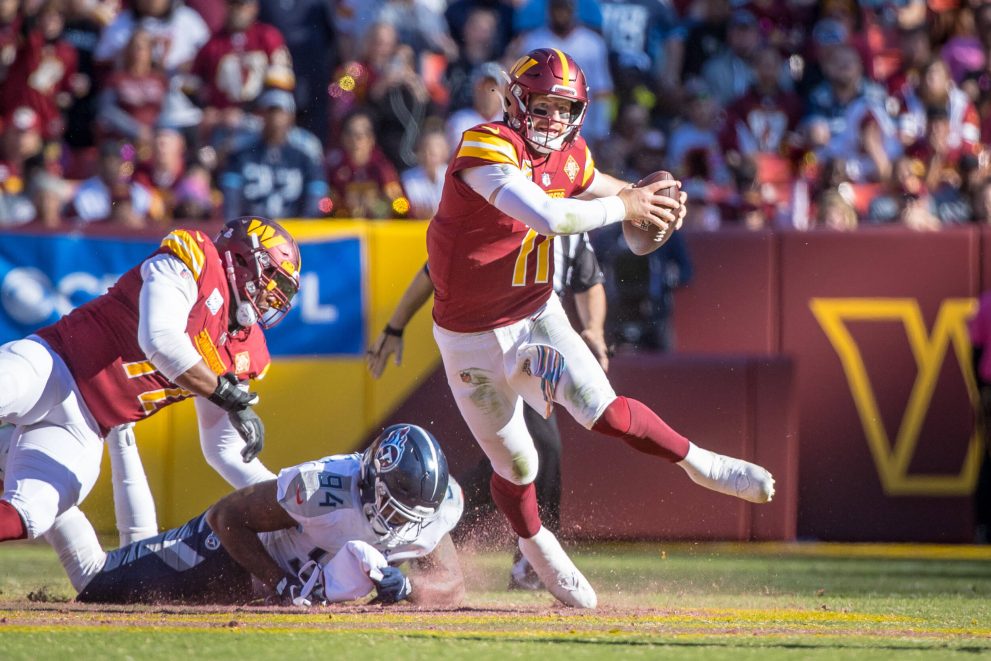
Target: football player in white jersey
328, 530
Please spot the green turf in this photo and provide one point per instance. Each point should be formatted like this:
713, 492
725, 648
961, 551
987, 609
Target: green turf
671, 601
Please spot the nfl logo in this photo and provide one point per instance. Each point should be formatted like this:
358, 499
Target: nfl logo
545, 179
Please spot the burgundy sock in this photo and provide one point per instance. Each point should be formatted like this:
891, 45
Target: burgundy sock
11, 525
518, 503
641, 429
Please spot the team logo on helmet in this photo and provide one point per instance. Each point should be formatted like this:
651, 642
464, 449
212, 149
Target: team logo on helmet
211, 542
391, 450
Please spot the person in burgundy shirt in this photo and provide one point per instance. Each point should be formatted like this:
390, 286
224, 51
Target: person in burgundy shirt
43, 75
132, 96
233, 67
504, 337
363, 182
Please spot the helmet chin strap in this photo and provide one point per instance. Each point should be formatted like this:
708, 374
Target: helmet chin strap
245, 314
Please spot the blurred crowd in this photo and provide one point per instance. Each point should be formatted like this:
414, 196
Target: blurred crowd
774, 113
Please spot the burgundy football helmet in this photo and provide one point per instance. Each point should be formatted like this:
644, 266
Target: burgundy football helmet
262, 262
552, 72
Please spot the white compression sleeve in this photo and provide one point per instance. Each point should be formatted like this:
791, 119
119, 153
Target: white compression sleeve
134, 506
514, 194
167, 297
222, 445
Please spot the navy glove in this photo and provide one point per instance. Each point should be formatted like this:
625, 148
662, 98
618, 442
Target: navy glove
252, 430
392, 587
288, 592
229, 395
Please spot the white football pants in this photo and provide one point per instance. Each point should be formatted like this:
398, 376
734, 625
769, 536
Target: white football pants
492, 374
55, 453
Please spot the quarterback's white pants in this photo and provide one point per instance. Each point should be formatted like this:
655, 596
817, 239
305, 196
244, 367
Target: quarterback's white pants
488, 376
56, 447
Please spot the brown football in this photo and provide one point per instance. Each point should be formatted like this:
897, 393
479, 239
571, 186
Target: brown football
660, 175
643, 241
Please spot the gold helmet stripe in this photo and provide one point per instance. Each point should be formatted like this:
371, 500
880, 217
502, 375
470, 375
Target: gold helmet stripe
565, 69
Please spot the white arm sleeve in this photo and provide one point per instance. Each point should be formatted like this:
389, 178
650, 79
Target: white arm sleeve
167, 297
222, 447
513, 193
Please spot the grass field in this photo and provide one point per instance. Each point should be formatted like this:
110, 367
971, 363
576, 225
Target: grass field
657, 600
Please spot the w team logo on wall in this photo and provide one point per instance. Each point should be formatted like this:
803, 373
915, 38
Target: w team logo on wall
391, 451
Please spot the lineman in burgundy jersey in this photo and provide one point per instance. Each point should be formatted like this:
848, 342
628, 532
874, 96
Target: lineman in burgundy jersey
179, 324
505, 340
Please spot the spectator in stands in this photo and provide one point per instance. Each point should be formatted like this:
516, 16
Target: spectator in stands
363, 183
914, 53
962, 50
835, 212
479, 48
279, 173
730, 72
698, 137
628, 142
49, 194
177, 32
20, 154
10, 30
419, 26
308, 28
702, 36
589, 50
44, 73
765, 120
171, 182
533, 14
487, 102
861, 132
458, 13
112, 194
232, 68
828, 36
131, 98
636, 34
84, 21
423, 184
936, 90
981, 202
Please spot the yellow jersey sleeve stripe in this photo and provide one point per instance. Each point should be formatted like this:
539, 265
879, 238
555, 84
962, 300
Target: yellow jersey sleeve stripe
589, 167
487, 153
501, 146
134, 370
565, 69
490, 139
183, 245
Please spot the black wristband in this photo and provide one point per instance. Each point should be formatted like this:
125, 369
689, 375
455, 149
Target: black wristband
227, 395
395, 332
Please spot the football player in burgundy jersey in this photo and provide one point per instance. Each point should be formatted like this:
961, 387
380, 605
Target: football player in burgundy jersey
186, 321
503, 335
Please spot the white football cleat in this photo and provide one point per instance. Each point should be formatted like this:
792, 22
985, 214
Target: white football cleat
555, 569
728, 475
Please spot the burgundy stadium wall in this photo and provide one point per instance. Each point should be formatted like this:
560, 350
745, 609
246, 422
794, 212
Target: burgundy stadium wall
875, 323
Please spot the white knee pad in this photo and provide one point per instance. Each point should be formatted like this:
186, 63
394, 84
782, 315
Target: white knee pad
134, 506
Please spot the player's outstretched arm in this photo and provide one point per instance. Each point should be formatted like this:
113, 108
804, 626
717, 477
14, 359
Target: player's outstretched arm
390, 340
237, 518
